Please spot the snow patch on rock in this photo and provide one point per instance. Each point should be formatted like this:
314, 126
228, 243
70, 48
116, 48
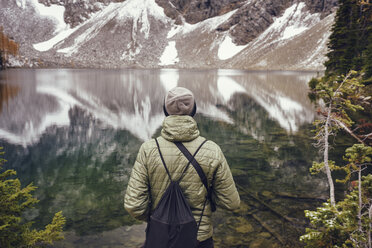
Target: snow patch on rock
96, 22
49, 44
293, 22
228, 49
174, 30
138, 11
14, 61
170, 54
206, 25
296, 20
54, 11
131, 38
317, 58
21, 3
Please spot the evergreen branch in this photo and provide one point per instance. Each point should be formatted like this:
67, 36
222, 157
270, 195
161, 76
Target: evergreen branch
342, 83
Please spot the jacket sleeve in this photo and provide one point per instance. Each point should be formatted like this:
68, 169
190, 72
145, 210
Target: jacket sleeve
137, 196
225, 193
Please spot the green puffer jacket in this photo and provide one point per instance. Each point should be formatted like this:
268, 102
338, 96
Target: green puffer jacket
148, 174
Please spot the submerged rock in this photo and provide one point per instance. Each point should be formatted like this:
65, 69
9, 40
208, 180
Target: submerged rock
264, 235
247, 228
261, 243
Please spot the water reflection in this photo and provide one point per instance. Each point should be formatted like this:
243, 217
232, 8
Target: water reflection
132, 99
75, 134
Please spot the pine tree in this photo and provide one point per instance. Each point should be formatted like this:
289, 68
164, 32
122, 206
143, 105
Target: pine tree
336, 226
368, 58
349, 38
346, 223
338, 60
14, 200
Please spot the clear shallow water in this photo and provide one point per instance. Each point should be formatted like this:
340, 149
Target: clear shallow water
76, 133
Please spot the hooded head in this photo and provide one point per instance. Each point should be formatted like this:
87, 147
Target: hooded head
179, 101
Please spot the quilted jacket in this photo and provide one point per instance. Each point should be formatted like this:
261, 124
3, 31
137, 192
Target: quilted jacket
149, 179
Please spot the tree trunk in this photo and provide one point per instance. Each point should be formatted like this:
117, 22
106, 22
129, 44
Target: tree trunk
360, 199
326, 144
326, 165
1, 60
370, 227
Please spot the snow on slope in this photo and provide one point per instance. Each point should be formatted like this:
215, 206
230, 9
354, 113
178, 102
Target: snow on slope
207, 25
228, 49
139, 11
293, 22
186, 32
170, 55
317, 56
137, 32
56, 13
136, 10
49, 44
53, 11
95, 23
295, 41
277, 48
21, 3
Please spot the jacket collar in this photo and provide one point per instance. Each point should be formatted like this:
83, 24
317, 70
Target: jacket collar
179, 128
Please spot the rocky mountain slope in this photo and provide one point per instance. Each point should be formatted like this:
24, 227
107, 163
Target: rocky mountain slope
243, 34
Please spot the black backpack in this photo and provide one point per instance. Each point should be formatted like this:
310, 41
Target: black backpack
172, 225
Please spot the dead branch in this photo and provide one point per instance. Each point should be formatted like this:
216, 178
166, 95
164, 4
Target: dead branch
266, 205
269, 229
342, 125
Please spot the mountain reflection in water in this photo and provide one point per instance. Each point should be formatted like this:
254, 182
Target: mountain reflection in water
75, 134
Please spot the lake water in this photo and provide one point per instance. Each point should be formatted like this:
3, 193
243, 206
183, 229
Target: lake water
76, 133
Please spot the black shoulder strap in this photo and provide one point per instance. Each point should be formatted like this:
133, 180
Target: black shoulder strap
193, 161
162, 159
199, 170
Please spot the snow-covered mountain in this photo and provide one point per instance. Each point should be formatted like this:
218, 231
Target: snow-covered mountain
244, 34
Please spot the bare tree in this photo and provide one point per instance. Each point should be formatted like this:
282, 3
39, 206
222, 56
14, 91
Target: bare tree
335, 96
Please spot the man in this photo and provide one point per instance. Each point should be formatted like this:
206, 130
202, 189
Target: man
149, 179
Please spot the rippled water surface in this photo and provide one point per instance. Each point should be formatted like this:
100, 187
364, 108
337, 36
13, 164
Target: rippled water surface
76, 133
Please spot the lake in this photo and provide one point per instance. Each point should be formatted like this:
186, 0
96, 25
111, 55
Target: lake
75, 133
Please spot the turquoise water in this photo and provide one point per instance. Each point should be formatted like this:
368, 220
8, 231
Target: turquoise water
75, 134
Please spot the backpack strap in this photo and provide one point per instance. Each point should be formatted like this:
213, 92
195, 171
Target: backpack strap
193, 161
181, 146
200, 172
162, 160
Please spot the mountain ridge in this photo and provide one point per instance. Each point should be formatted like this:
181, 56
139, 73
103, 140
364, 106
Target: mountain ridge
232, 34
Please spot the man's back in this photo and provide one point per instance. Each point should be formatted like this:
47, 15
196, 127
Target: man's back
149, 179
